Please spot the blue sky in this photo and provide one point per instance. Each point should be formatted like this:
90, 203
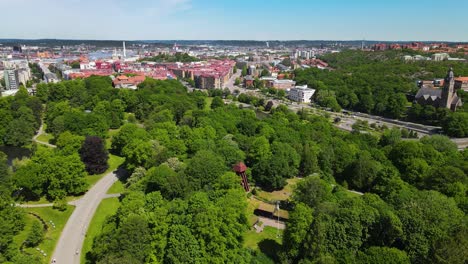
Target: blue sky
240, 19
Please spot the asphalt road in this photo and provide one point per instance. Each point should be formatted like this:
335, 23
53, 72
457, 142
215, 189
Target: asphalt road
230, 83
68, 248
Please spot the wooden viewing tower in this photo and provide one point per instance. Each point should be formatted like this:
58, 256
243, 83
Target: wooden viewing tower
240, 169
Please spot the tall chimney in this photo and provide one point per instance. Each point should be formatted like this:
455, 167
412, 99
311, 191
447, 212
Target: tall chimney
124, 50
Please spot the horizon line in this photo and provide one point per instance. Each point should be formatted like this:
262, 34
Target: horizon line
263, 40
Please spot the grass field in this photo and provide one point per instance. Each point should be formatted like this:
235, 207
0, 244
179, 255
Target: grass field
52, 235
45, 137
117, 187
252, 238
106, 208
268, 241
114, 163
280, 195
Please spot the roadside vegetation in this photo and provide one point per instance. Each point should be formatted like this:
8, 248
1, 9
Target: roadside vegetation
382, 83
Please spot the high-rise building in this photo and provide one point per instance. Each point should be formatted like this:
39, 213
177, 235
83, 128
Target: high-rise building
11, 79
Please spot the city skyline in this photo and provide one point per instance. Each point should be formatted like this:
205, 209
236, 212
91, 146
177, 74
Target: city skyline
239, 20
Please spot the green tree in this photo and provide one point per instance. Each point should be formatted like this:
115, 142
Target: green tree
134, 238
229, 150
182, 246
167, 181
244, 71
35, 235
456, 124
309, 161
137, 153
296, 230
68, 143
272, 173
127, 133
312, 191
265, 72
259, 150
363, 172
390, 137
427, 217
217, 102
383, 255
204, 168
21, 129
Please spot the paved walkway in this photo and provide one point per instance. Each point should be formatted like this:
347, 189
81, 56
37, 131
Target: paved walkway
273, 223
34, 205
40, 132
68, 248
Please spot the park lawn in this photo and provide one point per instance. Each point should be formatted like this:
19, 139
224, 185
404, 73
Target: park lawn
45, 137
280, 195
252, 238
268, 242
52, 235
208, 101
251, 206
114, 163
42, 200
106, 208
117, 187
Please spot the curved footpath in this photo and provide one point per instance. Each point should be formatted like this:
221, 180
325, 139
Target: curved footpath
40, 132
68, 248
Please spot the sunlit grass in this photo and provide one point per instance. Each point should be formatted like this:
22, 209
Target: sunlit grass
59, 218
117, 187
106, 208
252, 238
282, 194
45, 137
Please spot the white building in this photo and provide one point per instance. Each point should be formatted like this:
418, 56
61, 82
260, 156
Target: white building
11, 79
24, 75
301, 94
440, 56
51, 78
88, 66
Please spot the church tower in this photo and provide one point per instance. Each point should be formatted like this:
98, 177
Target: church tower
448, 91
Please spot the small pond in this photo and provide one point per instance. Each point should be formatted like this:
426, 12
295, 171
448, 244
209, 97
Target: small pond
15, 153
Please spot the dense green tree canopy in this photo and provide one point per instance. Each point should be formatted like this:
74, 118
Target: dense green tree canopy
183, 203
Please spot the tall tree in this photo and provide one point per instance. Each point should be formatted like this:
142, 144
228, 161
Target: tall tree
94, 155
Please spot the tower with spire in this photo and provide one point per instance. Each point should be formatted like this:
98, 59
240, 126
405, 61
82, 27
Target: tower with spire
448, 92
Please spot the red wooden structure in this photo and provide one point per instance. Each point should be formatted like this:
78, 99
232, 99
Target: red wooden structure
240, 169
